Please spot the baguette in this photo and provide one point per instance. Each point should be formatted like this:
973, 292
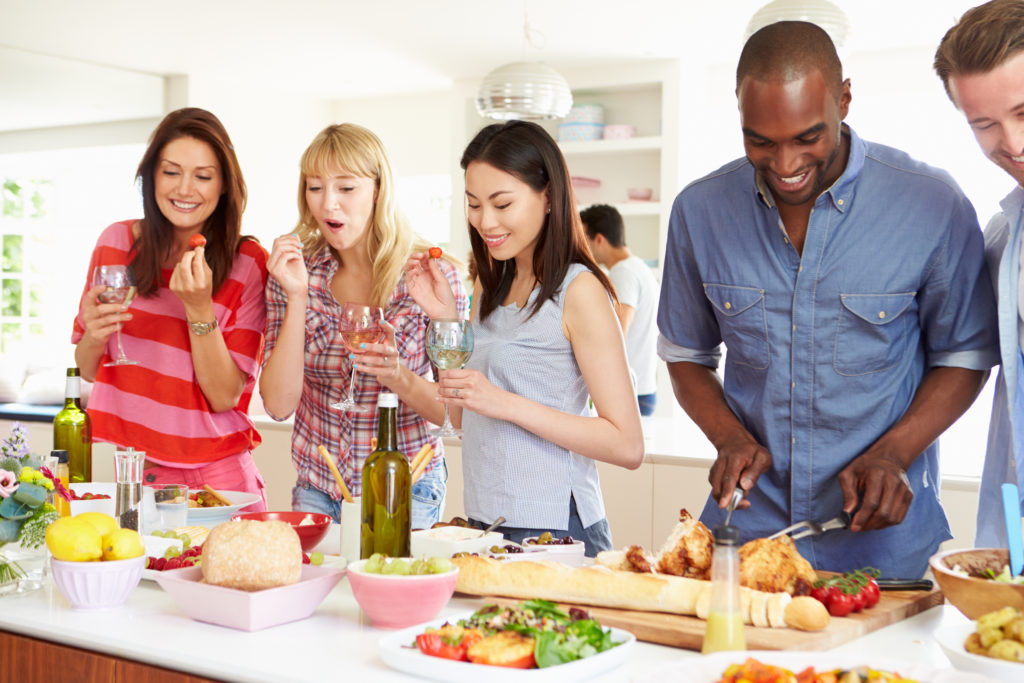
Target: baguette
604, 587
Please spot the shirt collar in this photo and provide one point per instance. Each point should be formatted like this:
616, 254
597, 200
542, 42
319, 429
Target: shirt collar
1013, 203
841, 191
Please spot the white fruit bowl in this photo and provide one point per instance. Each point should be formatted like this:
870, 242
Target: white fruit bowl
97, 585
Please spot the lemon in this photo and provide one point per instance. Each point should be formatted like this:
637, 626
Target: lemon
104, 523
74, 540
122, 544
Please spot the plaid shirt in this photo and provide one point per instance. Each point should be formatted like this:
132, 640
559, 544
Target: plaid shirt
327, 370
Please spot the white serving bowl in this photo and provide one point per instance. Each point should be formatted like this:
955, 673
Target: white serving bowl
572, 554
445, 541
105, 505
97, 585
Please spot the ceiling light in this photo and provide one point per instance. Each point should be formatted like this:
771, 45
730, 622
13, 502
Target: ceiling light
821, 12
524, 90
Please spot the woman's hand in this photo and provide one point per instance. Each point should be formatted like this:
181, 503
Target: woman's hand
430, 288
382, 360
101, 320
287, 266
192, 282
469, 389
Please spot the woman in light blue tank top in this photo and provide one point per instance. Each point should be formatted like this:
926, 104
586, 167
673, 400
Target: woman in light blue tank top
546, 338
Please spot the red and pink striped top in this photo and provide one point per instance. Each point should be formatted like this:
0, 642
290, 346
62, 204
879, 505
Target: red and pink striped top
157, 405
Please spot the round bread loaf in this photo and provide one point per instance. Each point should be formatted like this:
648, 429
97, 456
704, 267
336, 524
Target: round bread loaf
805, 613
252, 556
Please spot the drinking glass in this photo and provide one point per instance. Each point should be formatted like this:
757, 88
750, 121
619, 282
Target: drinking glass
449, 345
358, 325
171, 506
119, 281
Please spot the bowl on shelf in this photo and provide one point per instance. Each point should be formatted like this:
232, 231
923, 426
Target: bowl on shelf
398, 601
619, 131
640, 194
97, 585
970, 594
580, 132
311, 527
585, 113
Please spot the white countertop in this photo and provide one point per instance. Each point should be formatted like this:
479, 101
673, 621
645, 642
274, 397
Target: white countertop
338, 638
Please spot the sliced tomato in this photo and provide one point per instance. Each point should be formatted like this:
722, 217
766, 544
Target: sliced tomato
433, 644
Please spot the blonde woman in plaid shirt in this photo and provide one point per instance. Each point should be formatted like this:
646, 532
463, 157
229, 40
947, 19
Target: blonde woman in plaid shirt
350, 245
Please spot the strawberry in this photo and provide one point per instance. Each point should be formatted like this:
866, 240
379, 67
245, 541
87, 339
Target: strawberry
160, 563
196, 240
305, 558
435, 252
173, 563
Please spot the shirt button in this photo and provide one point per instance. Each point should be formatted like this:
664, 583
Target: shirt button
786, 240
794, 328
840, 202
792, 385
793, 440
881, 314
728, 305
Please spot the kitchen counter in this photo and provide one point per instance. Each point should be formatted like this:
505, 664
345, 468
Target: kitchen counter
336, 642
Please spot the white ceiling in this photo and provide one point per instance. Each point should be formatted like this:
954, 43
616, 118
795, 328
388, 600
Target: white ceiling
333, 49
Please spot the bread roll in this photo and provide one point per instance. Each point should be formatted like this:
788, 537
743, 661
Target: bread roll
806, 613
252, 556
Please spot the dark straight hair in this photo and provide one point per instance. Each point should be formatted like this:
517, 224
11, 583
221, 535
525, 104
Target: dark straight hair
525, 150
223, 228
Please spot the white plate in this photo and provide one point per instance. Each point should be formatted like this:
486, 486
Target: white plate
333, 561
396, 653
951, 638
211, 517
709, 668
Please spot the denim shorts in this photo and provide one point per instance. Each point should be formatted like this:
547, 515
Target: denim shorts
597, 536
427, 498
647, 403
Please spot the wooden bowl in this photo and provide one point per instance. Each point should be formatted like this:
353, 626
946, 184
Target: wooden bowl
973, 596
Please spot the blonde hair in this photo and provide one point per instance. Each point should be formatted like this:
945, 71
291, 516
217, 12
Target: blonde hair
356, 150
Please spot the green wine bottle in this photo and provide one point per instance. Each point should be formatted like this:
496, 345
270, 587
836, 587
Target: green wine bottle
72, 430
387, 488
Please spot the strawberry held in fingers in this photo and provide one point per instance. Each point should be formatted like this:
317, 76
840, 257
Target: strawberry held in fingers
196, 240
435, 252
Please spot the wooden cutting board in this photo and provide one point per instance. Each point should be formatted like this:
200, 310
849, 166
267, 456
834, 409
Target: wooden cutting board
688, 632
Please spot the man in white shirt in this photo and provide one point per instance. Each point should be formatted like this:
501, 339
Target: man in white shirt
638, 297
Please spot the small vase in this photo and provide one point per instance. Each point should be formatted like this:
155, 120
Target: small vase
31, 567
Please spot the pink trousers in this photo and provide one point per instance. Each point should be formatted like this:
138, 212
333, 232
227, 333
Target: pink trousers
233, 473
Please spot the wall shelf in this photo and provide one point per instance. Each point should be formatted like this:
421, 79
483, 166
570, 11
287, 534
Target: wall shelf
638, 144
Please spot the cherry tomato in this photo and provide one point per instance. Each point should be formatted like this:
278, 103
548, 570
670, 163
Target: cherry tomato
822, 593
196, 240
840, 604
871, 593
435, 252
858, 600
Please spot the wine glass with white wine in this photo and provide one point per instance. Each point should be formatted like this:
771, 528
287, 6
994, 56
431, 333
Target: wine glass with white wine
119, 284
449, 346
358, 325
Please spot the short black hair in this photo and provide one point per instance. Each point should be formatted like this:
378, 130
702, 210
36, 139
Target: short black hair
601, 219
788, 51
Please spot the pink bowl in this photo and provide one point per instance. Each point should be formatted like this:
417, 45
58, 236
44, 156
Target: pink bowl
97, 585
310, 535
393, 601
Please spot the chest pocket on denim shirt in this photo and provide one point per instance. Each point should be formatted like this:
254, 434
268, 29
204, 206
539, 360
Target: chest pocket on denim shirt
741, 317
872, 331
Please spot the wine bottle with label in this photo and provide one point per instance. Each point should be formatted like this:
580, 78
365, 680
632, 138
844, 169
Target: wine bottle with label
387, 488
72, 430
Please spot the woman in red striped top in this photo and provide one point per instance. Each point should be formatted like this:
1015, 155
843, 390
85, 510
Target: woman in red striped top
196, 326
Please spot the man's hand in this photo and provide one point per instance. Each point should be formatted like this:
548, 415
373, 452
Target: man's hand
739, 463
878, 484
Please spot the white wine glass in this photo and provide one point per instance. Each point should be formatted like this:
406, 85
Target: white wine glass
358, 325
119, 283
449, 346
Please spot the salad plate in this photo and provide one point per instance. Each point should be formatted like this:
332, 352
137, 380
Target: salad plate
398, 650
951, 639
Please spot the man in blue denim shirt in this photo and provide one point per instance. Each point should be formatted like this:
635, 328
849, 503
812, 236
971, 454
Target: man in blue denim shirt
981, 64
847, 282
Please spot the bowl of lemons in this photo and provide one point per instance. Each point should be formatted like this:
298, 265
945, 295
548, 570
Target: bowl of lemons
96, 564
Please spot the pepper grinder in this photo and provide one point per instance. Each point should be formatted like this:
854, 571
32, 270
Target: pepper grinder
128, 465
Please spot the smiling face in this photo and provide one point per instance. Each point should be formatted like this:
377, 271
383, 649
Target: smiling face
792, 134
506, 212
188, 183
993, 103
343, 207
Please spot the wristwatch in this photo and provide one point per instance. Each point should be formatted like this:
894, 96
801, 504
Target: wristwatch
199, 329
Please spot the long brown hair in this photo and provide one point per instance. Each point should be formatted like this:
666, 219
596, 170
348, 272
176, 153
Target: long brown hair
223, 230
525, 150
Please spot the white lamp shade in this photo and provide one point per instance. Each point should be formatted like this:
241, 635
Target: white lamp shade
524, 90
821, 12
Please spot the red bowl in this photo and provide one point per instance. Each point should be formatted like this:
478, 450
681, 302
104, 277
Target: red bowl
309, 534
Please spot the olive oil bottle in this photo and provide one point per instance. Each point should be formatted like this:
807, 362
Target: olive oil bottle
72, 431
387, 488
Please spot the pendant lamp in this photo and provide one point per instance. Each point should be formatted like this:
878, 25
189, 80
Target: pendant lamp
821, 12
524, 90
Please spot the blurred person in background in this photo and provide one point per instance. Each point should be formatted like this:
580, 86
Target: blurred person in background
196, 324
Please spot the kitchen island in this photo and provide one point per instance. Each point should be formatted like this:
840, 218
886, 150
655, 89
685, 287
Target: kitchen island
336, 643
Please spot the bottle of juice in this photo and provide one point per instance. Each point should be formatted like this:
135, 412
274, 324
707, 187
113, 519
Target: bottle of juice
387, 489
724, 630
72, 431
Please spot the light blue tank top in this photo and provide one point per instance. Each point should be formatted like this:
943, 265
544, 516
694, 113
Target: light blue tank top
509, 471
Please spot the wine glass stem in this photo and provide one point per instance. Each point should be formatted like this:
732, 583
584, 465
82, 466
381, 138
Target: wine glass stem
447, 426
352, 385
120, 348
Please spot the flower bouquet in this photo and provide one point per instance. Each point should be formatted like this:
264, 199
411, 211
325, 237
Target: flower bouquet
25, 485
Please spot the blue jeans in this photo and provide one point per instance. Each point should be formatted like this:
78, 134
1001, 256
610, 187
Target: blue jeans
427, 499
597, 536
647, 403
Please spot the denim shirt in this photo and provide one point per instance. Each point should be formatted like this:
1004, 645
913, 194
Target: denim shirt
825, 351
1004, 459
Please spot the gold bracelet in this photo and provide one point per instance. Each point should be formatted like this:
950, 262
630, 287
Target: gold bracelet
199, 329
